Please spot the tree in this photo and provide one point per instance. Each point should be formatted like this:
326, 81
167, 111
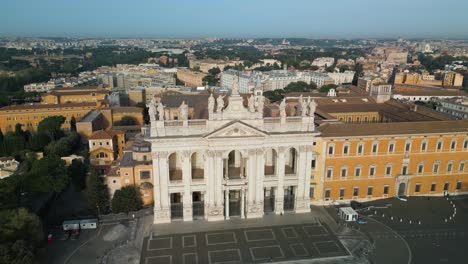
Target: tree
275, 95
64, 146
126, 199
214, 71
298, 87
48, 174
51, 126
21, 235
327, 87
77, 171
96, 192
39, 141
73, 124
126, 121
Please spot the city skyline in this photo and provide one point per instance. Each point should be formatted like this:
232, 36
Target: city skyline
189, 19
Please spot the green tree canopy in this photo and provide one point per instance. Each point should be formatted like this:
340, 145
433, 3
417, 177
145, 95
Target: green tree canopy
21, 235
126, 199
77, 171
96, 192
327, 87
298, 87
51, 126
48, 174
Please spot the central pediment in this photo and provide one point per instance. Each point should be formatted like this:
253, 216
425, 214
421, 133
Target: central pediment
236, 129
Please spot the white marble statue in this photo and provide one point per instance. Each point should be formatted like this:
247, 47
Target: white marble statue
282, 108
303, 106
161, 111
220, 102
152, 110
183, 111
251, 103
312, 108
211, 104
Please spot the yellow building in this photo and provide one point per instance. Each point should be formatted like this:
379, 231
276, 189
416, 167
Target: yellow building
379, 160
134, 168
29, 116
452, 79
60, 97
105, 146
191, 78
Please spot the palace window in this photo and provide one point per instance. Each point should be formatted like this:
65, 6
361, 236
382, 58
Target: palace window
391, 147
388, 170
439, 145
329, 173
420, 168
446, 186
372, 171
357, 171
356, 191
449, 166
370, 190
360, 148
331, 149
424, 146
433, 187
375, 147
417, 187
461, 167
458, 186
342, 193
453, 145
385, 189
408, 146
435, 168
346, 149
327, 194
344, 172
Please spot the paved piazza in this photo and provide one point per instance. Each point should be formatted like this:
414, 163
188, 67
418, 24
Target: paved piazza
249, 245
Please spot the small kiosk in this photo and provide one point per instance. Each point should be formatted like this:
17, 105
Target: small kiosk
348, 214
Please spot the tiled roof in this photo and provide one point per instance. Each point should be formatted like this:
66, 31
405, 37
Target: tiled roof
397, 128
102, 134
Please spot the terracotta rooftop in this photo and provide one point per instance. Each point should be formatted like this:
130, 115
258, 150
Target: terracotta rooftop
397, 128
63, 93
45, 106
102, 134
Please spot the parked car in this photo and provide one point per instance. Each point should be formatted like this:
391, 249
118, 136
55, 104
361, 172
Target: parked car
361, 221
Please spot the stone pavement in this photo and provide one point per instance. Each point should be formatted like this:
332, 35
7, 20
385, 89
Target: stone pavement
245, 245
289, 238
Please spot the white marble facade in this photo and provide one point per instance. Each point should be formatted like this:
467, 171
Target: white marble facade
230, 162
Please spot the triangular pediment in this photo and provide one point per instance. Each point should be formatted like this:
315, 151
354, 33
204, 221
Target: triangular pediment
236, 129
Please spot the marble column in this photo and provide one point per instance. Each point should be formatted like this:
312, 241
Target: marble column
162, 206
242, 203
301, 204
187, 179
215, 209
226, 204
279, 196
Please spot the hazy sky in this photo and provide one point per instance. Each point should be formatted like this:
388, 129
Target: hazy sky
235, 18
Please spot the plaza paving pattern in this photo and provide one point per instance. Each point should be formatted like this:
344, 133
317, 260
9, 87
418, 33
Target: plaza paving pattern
244, 245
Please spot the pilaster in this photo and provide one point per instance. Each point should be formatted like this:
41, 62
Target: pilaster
279, 195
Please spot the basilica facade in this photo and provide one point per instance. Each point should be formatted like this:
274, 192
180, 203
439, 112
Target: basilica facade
234, 163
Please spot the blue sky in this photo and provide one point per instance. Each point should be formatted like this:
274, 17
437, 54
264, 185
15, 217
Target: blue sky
234, 18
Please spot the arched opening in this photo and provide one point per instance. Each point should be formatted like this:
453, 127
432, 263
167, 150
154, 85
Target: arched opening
234, 166
175, 168
290, 166
197, 166
101, 155
270, 162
